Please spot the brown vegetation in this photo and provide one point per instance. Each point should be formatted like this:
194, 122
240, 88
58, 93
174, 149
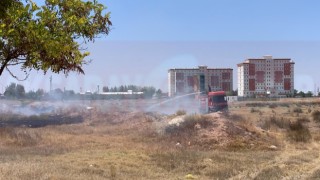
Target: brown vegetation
122, 143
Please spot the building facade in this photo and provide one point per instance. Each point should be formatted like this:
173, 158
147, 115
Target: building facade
202, 79
266, 77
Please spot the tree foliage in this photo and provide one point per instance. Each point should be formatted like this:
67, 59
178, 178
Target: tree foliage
49, 37
148, 92
15, 91
159, 93
105, 89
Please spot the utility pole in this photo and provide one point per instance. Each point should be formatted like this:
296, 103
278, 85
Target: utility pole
50, 84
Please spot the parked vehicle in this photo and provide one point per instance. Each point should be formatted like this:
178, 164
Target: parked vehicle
213, 102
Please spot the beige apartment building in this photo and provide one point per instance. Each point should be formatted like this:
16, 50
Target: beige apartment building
201, 79
266, 77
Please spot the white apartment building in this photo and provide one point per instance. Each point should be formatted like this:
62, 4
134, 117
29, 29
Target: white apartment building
202, 79
266, 76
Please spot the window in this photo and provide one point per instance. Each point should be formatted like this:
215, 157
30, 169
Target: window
180, 76
226, 75
252, 84
278, 76
252, 69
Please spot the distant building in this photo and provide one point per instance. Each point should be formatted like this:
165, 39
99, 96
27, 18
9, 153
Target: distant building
112, 95
129, 92
266, 76
202, 79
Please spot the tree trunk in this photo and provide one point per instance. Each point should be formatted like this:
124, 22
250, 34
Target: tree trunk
4, 65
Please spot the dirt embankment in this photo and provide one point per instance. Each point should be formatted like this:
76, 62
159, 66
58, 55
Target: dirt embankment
205, 132
222, 132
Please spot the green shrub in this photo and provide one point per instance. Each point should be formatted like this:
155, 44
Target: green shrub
315, 174
236, 117
181, 112
253, 110
297, 110
283, 104
303, 119
272, 106
298, 132
277, 122
316, 115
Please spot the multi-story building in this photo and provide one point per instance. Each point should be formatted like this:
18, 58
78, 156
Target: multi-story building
266, 76
202, 79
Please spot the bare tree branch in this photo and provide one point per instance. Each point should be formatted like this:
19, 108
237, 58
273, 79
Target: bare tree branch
27, 75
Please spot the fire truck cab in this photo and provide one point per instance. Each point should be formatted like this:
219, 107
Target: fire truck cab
213, 102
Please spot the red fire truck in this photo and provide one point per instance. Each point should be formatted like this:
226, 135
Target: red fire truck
213, 102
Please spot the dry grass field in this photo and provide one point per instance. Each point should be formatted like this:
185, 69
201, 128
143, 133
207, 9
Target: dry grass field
120, 140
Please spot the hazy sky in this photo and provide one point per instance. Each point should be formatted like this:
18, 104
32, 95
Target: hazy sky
149, 37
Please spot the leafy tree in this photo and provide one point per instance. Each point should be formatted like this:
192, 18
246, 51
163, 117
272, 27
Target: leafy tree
301, 94
4, 5
36, 95
57, 91
121, 88
235, 92
56, 94
69, 94
105, 89
115, 89
159, 93
295, 92
20, 92
10, 90
15, 91
48, 37
148, 91
31, 95
309, 94
40, 93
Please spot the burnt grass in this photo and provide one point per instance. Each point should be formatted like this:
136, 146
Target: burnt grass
36, 121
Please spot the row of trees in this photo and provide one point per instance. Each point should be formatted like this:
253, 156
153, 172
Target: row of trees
303, 94
17, 91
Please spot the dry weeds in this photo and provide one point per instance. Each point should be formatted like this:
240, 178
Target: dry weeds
116, 144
